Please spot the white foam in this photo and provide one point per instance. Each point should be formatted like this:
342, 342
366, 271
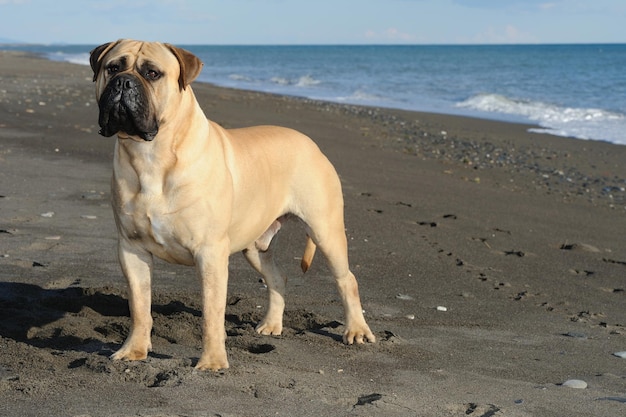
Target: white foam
280, 80
360, 96
239, 77
80, 58
303, 81
307, 81
582, 123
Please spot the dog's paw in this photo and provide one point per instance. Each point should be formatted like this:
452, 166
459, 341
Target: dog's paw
208, 363
130, 354
358, 335
269, 329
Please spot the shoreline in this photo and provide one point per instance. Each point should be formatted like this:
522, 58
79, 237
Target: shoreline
512, 232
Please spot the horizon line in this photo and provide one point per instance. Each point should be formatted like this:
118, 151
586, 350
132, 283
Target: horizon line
18, 43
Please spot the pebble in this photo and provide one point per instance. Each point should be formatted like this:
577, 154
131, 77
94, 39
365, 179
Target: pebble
47, 214
442, 308
575, 383
621, 354
575, 335
404, 297
93, 195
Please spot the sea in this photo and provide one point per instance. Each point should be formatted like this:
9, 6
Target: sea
576, 91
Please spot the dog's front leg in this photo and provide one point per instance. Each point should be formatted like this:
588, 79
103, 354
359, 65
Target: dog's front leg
213, 273
137, 267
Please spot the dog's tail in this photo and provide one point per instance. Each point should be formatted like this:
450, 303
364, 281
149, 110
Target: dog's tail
307, 256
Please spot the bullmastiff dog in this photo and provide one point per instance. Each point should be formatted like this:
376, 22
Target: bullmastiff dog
190, 192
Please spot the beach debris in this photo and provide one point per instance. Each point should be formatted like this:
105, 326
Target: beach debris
39, 265
488, 410
442, 308
93, 195
88, 216
410, 316
618, 399
575, 383
47, 214
575, 335
621, 354
404, 297
581, 272
427, 223
368, 399
54, 237
582, 247
613, 261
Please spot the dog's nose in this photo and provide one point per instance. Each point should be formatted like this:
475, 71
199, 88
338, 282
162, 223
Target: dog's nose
125, 82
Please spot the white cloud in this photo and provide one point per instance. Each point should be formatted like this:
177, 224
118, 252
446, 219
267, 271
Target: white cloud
547, 6
389, 35
506, 34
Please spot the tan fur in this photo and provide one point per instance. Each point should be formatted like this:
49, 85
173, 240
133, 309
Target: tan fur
198, 193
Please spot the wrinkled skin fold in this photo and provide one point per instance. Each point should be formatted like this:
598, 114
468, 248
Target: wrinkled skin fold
124, 107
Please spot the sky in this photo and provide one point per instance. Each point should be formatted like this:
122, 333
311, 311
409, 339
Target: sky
260, 22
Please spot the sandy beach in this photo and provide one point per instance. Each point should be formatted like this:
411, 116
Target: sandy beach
491, 264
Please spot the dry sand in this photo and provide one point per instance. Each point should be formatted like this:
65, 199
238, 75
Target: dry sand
519, 236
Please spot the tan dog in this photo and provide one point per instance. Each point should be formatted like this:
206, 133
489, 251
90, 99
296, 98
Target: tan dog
188, 191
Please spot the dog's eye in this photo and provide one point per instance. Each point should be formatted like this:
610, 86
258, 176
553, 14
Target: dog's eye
113, 69
153, 75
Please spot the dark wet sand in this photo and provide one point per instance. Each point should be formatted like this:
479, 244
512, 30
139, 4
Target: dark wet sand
520, 236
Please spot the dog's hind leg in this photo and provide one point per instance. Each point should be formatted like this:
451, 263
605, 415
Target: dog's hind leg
263, 262
329, 235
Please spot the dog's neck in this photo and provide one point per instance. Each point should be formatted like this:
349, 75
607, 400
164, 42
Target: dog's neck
152, 161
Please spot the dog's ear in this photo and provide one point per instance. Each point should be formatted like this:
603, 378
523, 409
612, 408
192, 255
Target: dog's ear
96, 55
190, 65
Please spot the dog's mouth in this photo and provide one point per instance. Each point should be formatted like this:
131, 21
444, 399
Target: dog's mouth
124, 107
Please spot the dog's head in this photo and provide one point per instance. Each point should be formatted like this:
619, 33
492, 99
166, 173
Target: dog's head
138, 83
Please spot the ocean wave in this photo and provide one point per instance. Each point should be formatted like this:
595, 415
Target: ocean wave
304, 81
239, 77
78, 58
582, 123
360, 96
307, 81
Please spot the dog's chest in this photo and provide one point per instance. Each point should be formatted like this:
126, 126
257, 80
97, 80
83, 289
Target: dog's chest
147, 220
